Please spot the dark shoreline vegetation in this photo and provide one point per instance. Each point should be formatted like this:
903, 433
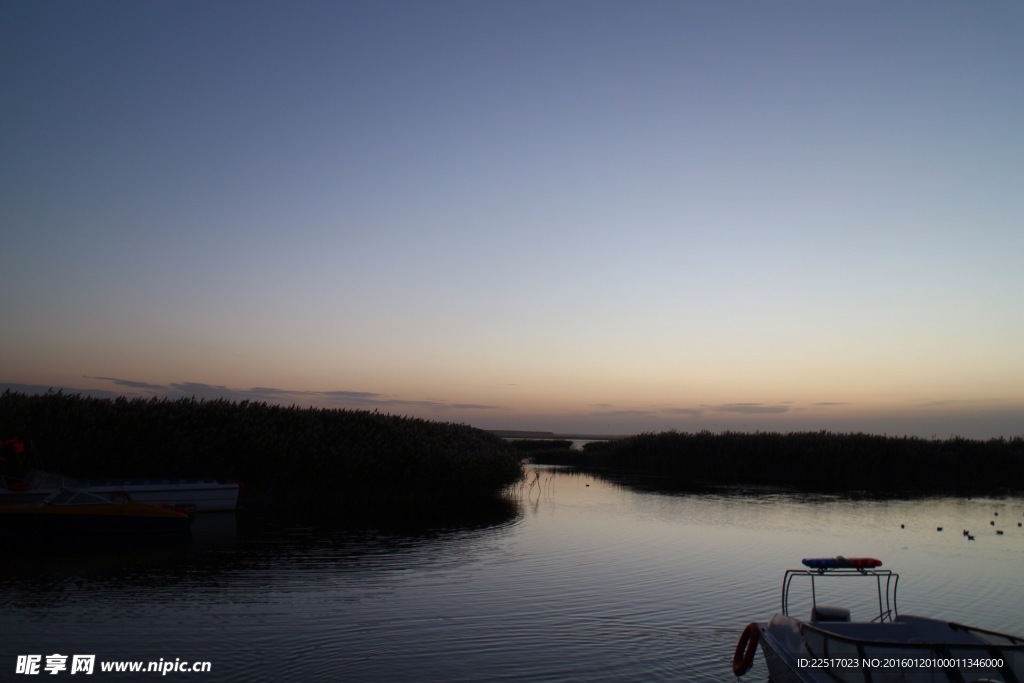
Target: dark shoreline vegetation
355, 466
822, 462
365, 467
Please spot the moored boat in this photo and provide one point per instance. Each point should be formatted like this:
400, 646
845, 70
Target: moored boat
888, 646
202, 495
70, 513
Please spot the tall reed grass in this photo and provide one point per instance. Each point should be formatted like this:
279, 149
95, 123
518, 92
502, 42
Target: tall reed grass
297, 458
812, 461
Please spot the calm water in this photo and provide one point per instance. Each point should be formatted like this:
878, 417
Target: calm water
582, 580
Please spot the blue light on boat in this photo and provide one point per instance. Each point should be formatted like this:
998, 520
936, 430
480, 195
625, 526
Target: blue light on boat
841, 562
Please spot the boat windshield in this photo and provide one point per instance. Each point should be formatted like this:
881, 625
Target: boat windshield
41, 479
66, 496
883, 600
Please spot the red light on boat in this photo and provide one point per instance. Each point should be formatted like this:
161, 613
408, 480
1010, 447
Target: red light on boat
840, 562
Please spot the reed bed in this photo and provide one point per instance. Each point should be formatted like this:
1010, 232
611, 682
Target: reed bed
301, 459
808, 461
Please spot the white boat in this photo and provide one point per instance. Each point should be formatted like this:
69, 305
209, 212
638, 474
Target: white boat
201, 495
888, 646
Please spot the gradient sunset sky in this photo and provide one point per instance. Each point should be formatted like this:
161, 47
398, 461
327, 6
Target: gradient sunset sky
601, 217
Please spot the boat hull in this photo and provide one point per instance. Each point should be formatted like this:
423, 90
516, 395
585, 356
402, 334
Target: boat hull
72, 521
203, 496
800, 652
199, 495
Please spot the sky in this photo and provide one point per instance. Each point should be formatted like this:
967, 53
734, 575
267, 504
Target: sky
600, 217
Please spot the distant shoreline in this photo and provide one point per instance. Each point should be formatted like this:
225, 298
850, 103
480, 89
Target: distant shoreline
521, 434
807, 461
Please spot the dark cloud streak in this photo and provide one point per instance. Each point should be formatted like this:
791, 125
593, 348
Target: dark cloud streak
752, 408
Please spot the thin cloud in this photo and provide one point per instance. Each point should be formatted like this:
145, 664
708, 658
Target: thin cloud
348, 395
131, 384
624, 413
201, 390
960, 402
752, 408
475, 406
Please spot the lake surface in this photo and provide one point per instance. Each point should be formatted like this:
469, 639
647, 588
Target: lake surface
580, 580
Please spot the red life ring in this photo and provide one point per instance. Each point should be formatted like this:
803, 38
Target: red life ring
17, 445
743, 659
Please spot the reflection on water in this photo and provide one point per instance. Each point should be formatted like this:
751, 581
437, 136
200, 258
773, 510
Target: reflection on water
581, 579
